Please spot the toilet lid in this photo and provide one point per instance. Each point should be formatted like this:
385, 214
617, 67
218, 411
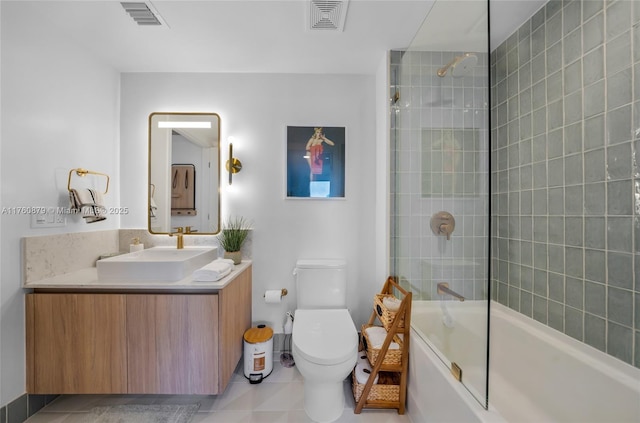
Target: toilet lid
325, 336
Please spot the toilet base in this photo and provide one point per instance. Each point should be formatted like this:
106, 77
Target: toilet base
323, 402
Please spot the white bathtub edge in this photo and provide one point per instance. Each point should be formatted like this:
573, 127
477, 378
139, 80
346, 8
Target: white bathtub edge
626, 374
448, 400
559, 361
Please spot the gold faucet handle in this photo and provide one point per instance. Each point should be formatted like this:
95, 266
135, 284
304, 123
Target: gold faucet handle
178, 230
188, 230
443, 223
445, 229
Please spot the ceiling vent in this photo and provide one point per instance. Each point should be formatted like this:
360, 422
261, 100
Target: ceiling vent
143, 13
327, 14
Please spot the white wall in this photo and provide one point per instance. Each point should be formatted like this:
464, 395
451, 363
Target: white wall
59, 111
255, 109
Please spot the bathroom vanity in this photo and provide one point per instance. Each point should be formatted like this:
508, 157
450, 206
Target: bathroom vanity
143, 338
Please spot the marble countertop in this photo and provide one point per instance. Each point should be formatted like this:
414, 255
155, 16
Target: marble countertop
87, 279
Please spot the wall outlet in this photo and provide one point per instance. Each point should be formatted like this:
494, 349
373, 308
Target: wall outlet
48, 219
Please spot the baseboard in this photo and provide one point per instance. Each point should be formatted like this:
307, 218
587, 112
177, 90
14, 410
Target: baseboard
23, 407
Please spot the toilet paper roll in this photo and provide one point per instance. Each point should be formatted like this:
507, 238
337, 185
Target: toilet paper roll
362, 357
273, 296
363, 371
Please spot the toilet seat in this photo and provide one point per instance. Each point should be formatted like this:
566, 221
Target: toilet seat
325, 336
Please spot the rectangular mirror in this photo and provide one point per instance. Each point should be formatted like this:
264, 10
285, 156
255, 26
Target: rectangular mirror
184, 173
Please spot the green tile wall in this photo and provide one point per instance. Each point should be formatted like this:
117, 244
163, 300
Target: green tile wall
565, 174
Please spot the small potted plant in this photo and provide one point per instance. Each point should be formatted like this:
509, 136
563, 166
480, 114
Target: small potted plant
232, 236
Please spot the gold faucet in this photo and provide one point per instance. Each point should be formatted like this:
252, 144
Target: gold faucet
179, 234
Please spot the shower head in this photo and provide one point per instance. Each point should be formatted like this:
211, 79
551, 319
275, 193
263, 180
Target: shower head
460, 66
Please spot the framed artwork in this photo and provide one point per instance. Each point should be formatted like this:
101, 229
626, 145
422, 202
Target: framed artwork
315, 161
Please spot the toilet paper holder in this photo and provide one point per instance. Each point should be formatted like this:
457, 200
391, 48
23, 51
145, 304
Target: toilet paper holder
283, 292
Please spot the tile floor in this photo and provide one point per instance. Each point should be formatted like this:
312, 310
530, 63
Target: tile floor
279, 398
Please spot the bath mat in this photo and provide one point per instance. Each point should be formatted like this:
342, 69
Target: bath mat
137, 413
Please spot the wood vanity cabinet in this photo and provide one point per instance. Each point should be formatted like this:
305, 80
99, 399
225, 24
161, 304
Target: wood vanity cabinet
172, 344
137, 343
76, 343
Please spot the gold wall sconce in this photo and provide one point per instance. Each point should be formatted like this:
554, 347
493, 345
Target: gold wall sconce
233, 165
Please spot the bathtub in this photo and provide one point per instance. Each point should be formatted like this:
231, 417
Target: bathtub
537, 374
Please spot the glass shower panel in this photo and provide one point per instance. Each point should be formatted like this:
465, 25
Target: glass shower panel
440, 183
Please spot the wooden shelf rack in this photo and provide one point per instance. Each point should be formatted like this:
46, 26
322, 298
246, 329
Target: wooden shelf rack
396, 325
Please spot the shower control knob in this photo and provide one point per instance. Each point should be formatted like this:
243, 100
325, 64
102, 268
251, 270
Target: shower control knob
443, 224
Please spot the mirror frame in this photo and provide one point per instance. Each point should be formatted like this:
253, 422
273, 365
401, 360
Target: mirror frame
218, 160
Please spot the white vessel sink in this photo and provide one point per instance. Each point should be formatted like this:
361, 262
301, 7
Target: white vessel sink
157, 264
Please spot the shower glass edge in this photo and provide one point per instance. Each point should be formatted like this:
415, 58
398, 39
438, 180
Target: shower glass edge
440, 161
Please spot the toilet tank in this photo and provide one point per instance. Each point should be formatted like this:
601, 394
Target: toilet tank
321, 283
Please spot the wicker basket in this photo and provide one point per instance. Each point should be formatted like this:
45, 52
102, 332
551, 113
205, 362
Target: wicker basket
386, 316
387, 388
393, 357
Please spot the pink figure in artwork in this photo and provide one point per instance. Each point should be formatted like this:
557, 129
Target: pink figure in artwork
314, 150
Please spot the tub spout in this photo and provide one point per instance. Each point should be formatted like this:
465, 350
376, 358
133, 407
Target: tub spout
443, 288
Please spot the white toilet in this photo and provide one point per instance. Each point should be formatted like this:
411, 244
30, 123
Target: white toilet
324, 338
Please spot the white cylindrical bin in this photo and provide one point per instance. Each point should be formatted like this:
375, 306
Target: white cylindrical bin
258, 353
